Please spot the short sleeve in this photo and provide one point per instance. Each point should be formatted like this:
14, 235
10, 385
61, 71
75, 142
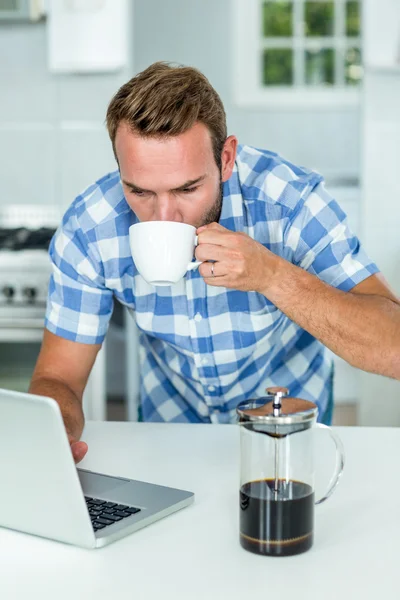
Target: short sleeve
319, 240
79, 306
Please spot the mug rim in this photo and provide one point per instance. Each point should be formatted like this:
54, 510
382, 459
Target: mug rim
164, 222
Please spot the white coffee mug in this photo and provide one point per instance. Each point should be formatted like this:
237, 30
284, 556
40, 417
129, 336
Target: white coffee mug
163, 250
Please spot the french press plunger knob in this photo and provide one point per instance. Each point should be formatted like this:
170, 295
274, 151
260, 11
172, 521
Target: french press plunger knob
277, 393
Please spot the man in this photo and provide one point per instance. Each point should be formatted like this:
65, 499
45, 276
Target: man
282, 274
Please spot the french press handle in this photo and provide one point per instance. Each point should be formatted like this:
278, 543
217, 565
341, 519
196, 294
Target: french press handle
339, 466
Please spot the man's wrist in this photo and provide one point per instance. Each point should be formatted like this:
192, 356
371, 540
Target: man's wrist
277, 269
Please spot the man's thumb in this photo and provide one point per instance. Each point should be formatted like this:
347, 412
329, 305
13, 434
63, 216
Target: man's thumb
78, 450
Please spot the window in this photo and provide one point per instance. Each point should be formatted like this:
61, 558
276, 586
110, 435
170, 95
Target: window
298, 52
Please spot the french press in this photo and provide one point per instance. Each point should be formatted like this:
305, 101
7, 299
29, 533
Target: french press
277, 473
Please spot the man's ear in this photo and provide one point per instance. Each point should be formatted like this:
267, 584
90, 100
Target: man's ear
228, 157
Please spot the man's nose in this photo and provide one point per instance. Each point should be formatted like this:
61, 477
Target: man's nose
166, 209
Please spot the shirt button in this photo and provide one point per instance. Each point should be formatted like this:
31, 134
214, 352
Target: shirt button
198, 317
204, 361
211, 388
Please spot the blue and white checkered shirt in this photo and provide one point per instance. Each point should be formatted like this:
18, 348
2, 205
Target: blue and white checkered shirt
203, 348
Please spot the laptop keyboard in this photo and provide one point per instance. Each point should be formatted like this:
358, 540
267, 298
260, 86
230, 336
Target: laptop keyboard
103, 513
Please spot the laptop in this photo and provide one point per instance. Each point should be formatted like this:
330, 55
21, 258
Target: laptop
43, 492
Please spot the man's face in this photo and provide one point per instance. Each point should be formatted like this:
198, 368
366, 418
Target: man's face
173, 178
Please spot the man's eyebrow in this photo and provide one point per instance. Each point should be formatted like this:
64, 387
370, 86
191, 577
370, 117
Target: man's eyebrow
134, 187
187, 184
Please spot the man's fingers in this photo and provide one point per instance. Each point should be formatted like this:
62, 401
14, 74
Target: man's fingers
211, 252
219, 236
79, 450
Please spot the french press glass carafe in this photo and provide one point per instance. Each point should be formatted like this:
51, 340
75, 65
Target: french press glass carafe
277, 473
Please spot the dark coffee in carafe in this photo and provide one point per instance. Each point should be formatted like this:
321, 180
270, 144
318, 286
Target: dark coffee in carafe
276, 518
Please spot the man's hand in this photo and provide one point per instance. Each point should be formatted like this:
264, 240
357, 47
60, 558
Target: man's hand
61, 372
240, 263
78, 448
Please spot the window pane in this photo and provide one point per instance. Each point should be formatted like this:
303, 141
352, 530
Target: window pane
352, 18
277, 19
319, 18
278, 67
320, 67
354, 70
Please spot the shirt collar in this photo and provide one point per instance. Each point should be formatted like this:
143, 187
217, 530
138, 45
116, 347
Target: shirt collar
232, 212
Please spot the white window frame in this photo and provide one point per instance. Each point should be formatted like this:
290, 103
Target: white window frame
248, 89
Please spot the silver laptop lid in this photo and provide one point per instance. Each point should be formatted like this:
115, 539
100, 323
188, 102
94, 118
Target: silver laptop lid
40, 489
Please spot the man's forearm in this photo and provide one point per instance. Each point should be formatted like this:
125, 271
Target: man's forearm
70, 404
363, 329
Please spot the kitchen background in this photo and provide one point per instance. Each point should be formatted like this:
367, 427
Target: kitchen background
315, 80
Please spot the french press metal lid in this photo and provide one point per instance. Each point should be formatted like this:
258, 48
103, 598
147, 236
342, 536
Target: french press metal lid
277, 414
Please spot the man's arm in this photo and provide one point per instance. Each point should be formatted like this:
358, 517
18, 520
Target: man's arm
61, 372
362, 326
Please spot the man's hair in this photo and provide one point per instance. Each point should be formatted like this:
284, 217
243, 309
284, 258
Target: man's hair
165, 100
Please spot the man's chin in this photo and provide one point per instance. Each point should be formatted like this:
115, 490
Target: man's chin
213, 216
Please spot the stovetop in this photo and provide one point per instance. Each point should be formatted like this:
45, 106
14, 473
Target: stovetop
25, 235
24, 270
24, 278
23, 238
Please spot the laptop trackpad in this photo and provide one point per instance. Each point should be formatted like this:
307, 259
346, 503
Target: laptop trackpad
96, 485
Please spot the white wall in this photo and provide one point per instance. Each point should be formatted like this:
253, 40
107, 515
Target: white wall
52, 138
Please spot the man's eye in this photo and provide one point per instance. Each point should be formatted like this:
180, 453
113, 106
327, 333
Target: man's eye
138, 193
190, 190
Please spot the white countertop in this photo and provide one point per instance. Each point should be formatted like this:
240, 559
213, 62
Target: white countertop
195, 553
